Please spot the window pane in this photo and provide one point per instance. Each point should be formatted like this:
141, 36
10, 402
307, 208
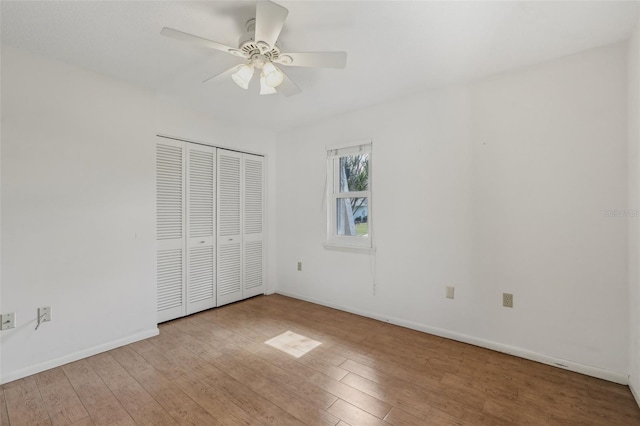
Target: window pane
354, 173
352, 216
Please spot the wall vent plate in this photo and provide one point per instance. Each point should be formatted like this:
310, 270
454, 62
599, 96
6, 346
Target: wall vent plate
507, 300
8, 320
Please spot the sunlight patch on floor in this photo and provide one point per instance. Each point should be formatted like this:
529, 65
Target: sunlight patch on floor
292, 343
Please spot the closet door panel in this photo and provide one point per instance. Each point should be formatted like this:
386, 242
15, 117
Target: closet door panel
229, 285
170, 192
253, 223
200, 225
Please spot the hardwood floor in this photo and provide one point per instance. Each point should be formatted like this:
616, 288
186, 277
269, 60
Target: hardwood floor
213, 368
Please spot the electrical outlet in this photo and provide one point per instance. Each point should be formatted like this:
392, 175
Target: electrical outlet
507, 300
450, 290
44, 314
8, 321
299, 266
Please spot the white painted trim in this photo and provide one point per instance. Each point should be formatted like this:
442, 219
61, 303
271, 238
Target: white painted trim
333, 240
612, 376
348, 248
365, 141
635, 394
37, 368
212, 144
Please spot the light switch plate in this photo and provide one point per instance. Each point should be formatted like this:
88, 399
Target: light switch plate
450, 292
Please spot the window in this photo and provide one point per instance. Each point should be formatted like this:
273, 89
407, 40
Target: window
349, 196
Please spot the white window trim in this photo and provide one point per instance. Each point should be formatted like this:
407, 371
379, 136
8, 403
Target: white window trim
339, 242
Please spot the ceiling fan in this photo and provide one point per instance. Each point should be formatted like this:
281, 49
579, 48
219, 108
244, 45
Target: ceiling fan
259, 47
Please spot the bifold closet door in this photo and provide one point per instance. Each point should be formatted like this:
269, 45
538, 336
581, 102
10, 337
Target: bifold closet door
170, 191
200, 227
253, 255
186, 228
210, 219
241, 251
229, 227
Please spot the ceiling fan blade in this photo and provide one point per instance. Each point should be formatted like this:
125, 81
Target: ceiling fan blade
270, 18
222, 76
314, 59
190, 38
288, 87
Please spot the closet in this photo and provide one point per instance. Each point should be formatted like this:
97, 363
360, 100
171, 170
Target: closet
210, 220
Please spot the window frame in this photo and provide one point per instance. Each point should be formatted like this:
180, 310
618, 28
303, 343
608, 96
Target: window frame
334, 153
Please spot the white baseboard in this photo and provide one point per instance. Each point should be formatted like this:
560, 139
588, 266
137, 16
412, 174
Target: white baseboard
635, 394
612, 376
37, 368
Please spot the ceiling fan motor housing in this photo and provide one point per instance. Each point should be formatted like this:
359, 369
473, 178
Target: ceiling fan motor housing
250, 47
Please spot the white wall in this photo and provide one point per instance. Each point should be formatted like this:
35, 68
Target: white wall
634, 203
0, 205
77, 189
496, 186
78, 207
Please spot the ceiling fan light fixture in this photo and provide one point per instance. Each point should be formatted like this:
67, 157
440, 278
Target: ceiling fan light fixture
265, 89
273, 77
242, 77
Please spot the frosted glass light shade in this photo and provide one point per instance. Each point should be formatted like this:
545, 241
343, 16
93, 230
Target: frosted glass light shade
242, 77
273, 77
265, 89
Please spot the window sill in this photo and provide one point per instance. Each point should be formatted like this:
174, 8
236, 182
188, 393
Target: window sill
348, 248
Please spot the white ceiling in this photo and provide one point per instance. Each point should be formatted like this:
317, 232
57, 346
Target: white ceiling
394, 48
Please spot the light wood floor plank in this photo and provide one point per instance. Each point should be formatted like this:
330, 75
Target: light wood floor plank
24, 403
251, 402
440, 418
351, 395
62, 402
397, 396
100, 403
141, 406
399, 417
84, 422
4, 415
181, 407
283, 397
214, 401
111, 373
354, 415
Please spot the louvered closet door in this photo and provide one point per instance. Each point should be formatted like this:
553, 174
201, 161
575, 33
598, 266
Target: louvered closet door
201, 225
253, 221
170, 191
229, 227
